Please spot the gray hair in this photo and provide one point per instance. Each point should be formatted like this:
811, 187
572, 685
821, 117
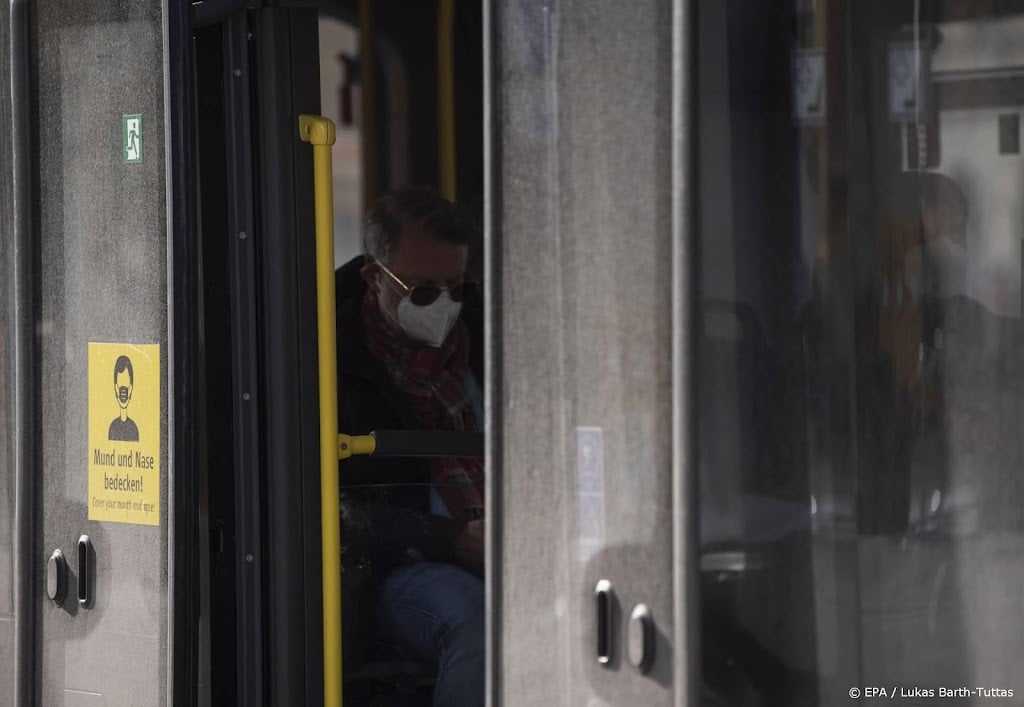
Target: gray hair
418, 207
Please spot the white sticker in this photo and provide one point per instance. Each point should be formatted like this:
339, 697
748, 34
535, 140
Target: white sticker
590, 526
809, 90
909, 72
131, 138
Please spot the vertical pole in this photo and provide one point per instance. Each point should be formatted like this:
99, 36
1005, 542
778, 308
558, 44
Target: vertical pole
685, 289
320, 133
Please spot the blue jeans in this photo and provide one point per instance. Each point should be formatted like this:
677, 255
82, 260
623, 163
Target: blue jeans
433, 613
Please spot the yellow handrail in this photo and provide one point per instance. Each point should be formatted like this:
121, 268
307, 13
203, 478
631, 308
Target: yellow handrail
319, 132
446, 98
351, 445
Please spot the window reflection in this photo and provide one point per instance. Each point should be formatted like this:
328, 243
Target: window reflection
340, 96
860, 385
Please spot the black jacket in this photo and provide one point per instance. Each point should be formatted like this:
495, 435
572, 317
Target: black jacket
390, 497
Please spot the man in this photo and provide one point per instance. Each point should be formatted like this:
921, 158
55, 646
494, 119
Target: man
938, 265
410, 357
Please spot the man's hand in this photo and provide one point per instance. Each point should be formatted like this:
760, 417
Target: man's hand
469, 546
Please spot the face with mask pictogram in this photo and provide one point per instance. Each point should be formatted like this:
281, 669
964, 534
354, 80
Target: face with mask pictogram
123, 428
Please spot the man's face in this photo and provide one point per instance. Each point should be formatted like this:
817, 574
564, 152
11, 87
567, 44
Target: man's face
419, 258
123, 388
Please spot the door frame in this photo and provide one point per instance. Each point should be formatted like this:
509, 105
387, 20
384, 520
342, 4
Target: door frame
184, 358
685, 332
24, 311
256, 72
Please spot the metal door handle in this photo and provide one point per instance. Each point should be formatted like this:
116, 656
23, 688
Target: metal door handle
86, 580
641, 638
603, 604
56, 577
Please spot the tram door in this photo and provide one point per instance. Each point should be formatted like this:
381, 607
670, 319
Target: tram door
581, 398
95, 348
856, 338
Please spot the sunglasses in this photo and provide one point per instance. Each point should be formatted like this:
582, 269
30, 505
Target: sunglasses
423, 295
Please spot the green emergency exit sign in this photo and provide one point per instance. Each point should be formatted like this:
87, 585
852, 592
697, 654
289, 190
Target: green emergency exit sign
131, 138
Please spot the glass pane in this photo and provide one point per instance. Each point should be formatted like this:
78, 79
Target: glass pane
862, 523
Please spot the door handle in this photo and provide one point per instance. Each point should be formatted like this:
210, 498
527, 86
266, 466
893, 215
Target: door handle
56, 577
603, 604
641, 638
86, 572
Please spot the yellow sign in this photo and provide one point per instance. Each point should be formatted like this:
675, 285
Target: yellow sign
124, 433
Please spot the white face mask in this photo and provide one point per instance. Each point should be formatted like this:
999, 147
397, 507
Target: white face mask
429, 324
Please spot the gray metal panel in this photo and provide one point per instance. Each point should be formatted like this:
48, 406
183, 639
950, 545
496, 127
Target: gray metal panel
581, 220
7, 320
7, 655
103, 242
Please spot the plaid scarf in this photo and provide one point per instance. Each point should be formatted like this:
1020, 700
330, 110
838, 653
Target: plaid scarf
432, 379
